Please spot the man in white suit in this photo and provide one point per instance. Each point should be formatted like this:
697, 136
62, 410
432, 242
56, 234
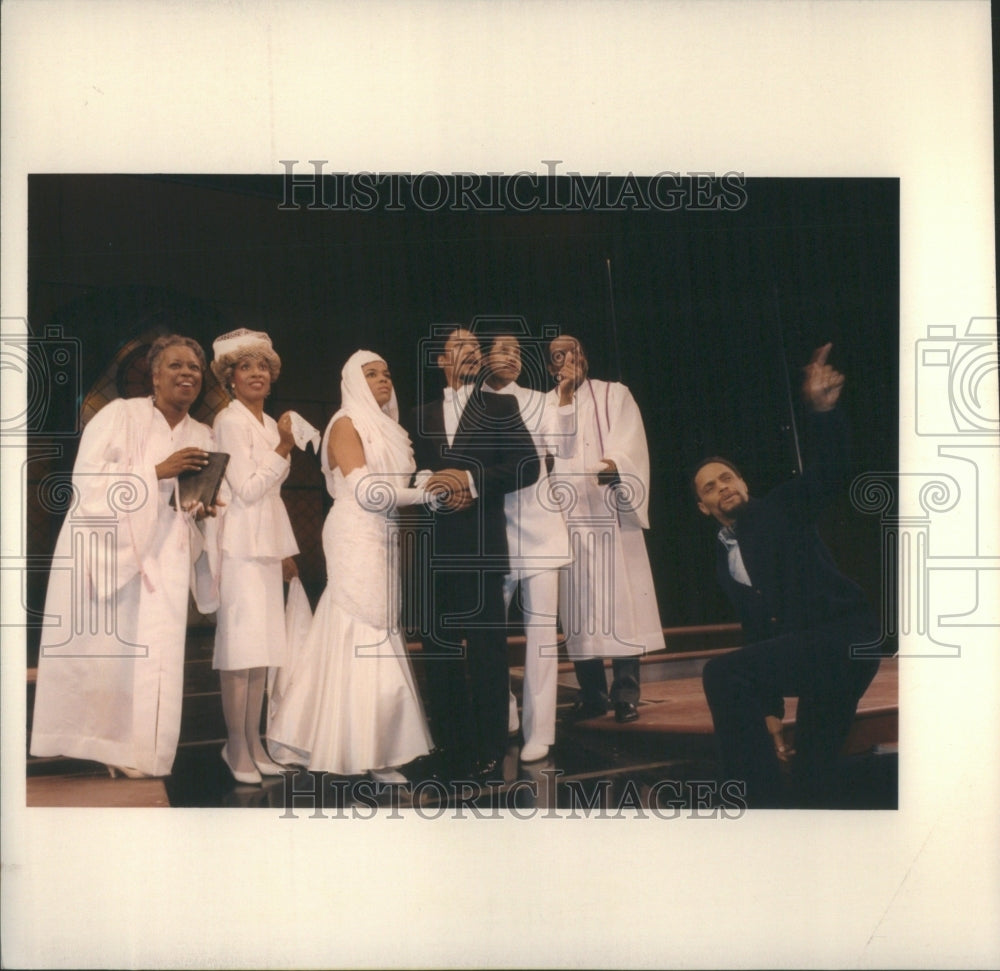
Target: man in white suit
537, 540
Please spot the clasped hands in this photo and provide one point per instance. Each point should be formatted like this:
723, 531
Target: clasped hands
450, 487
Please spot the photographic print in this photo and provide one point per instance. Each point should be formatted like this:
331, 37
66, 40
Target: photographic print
675, 317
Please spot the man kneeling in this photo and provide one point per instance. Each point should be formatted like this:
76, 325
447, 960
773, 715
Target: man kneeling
800, 615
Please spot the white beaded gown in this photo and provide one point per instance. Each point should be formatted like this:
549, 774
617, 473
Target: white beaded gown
351, 704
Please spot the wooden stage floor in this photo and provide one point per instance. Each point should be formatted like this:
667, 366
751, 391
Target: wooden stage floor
669, 752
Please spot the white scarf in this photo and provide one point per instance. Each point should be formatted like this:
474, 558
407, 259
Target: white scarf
386, 444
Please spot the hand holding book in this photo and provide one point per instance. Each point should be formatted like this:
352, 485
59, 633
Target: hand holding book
201, 483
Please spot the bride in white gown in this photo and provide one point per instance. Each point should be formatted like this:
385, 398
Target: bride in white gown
351, 704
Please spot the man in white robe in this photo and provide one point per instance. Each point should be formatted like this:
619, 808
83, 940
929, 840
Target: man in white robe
110, 671
607, 603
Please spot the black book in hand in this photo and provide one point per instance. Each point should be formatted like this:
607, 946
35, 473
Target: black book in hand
202, 486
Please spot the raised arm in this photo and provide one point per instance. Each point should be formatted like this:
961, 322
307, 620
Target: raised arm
828, 440
822, 384
249, 474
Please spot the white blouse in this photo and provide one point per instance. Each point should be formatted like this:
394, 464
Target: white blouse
255, 523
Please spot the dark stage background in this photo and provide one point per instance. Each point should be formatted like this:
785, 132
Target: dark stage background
704, 302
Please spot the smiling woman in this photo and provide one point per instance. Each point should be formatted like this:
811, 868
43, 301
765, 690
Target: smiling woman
257, 545
177, 373
110, 671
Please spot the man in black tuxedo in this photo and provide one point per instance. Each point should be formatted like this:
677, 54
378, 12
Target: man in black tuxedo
476, 449
800, 615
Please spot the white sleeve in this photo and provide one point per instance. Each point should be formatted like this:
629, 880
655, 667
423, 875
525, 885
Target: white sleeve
248, 475
626, 447
114, 480
383, 492
558, 428
206, 551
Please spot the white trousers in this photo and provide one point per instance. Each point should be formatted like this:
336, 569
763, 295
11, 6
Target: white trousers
539, 602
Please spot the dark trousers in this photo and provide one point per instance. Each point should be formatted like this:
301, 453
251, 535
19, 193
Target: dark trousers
467, 685
816, 667
594, 685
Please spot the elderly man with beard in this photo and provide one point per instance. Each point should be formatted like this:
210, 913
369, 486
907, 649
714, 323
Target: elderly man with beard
607, 603
800, 615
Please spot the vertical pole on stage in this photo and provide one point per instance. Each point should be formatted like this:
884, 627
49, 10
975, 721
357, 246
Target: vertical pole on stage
793, 426
614, 320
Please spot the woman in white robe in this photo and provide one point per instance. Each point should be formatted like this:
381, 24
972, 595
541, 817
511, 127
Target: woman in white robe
351, 704
111, 666
257, 544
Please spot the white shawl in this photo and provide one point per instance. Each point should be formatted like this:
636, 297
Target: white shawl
386, 443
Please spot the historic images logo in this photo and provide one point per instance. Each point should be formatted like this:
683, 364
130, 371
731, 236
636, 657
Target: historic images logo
551, 191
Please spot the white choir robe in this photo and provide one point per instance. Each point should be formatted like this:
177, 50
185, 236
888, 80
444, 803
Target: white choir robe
256, 535
111, 665
538, 546
607, 603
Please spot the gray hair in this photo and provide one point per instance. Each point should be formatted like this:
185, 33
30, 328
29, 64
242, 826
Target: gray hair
173, 340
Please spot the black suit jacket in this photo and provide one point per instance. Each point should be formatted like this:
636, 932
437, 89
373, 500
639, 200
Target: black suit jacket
492, 444
796, 584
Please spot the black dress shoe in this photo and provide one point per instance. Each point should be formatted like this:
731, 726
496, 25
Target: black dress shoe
487, 771
583, 709
437, 766
626, 711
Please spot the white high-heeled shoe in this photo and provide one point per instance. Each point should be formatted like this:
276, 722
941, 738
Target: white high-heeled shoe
390, 777
247, 778
266, 767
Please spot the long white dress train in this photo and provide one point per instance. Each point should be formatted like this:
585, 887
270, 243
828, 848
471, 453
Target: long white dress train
351, 704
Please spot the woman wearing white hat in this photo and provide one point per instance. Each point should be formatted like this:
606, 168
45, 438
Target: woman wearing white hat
351, 705
257, 545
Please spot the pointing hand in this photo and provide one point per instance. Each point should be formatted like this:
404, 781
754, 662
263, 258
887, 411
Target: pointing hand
822, 385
